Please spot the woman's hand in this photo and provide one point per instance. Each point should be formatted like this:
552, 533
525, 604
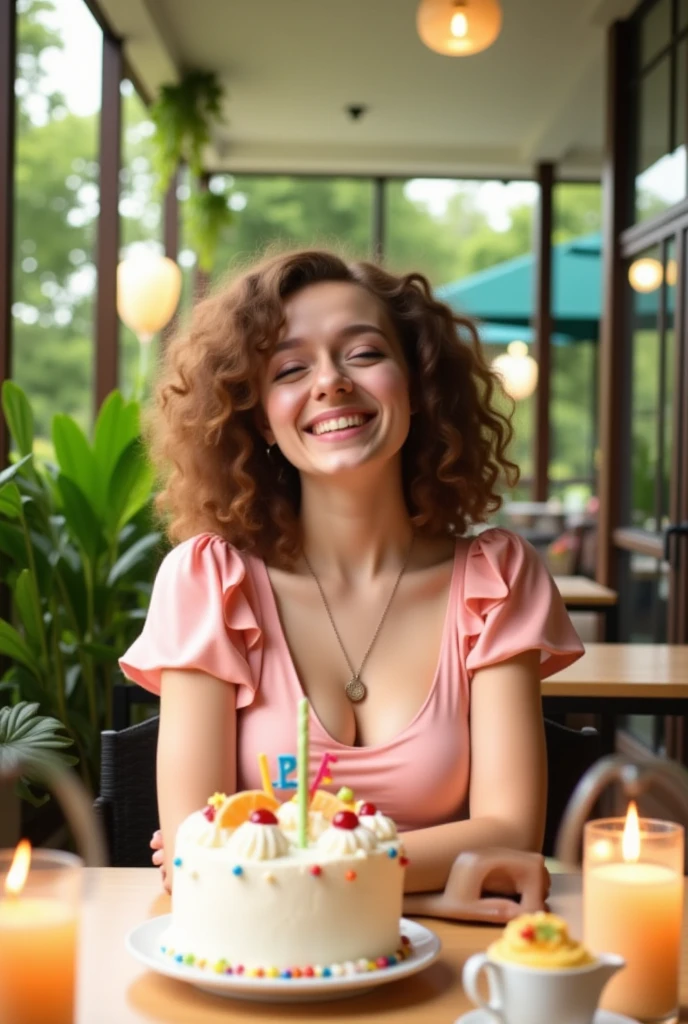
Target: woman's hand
156, 844
473, 873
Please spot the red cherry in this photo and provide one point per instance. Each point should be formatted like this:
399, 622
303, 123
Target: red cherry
368, 810
345, 819
209, 812
315, 870
262, 817
528, 933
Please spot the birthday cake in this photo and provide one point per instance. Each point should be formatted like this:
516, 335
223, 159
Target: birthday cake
305, 887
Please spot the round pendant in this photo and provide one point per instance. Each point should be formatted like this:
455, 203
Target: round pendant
355, 689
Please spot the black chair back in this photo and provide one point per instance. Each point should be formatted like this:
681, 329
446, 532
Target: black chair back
570, 752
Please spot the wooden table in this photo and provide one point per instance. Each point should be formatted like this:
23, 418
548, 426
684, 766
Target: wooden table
115, 989
621, 679
581, 594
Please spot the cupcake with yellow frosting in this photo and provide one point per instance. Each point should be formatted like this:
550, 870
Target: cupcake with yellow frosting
539, 940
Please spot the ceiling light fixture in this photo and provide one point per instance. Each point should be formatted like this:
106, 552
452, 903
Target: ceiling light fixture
459, 27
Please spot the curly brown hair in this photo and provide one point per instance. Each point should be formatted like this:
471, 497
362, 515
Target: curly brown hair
203, 430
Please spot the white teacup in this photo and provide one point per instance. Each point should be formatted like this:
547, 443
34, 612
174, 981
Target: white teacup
536, 995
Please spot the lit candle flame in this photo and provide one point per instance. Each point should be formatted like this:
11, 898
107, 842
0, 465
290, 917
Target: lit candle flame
16, 876
630, 841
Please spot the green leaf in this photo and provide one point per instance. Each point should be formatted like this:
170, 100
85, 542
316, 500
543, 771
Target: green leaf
134, 558
77, 460
117, 425
12, 543
101, 652
10, 501
11, 471
30, 741
29, 612
131, 486
15, 647
81, 519
19, 416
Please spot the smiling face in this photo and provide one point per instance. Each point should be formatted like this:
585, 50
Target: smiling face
335, 389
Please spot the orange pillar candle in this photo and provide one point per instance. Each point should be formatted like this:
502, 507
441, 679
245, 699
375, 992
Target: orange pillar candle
38, 933
633, 905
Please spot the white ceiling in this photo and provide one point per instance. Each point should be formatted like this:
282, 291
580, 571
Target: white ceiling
291, 68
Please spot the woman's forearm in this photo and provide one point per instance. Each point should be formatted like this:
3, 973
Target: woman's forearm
432, 851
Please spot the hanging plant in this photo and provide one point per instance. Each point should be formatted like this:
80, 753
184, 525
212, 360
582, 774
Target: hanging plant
183, 115
208, 214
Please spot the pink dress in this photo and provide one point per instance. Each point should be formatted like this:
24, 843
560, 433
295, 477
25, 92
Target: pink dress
213, 609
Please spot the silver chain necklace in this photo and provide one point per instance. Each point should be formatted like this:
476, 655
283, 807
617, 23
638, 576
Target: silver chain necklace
356, 689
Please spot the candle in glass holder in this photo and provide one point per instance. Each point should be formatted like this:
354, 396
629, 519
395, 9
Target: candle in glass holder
39, 908
633, 905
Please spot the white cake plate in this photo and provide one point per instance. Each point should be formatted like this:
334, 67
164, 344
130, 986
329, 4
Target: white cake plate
601, 1017
144, 944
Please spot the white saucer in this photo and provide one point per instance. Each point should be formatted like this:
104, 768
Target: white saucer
144, 944
601, 1017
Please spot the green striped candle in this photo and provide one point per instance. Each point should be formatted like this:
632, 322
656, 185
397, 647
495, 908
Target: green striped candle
302, 754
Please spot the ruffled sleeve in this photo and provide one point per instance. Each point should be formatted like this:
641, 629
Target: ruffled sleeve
201, 616
512, 605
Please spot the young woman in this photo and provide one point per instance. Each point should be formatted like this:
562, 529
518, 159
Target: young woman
329, 436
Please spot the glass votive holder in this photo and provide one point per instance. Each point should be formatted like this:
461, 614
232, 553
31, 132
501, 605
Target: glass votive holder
39, 916
633, 905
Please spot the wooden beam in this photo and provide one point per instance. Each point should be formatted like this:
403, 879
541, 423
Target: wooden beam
8, 54
378, 226
614, 363
107, 254
543, 329
171, 239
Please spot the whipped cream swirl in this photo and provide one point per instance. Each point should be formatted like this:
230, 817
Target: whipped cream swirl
347, 840
258, 842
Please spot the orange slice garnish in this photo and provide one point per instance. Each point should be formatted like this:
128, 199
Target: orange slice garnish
238, 808
327, 803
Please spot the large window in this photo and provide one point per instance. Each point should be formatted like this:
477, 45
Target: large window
660, 88
56, 181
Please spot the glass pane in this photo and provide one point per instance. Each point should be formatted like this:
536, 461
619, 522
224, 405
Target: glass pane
659, 179
466, 237
655, 30
645, 275
58, 88
140, 213
669, 376
295, 212
577, 290
680, 155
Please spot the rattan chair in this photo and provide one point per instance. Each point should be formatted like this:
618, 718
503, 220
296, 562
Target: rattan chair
128, 806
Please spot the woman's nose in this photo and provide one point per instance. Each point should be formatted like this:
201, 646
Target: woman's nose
330, 380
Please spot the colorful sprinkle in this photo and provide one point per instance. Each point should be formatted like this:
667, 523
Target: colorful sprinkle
269, 877
372, 966
317, 971
239, 969
179, 958
403, 861
237, 870
315, 870
219, 966
209, 813
228, 970
349, 967
194, 876
361, 966
285, 974
405, 941
308, 972
295, 972
350, 876
392, 852
327, 973
216, 800
201, 963
177, 862
391, 960
272, 972
337, 970
381, 962
189, 959
528, 933
346, 795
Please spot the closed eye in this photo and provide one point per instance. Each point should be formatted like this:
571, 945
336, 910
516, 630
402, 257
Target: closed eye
287, 371
369, 353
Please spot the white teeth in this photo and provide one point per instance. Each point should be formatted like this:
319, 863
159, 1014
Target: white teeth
340, 423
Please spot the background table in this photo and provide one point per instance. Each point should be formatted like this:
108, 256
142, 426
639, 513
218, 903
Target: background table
620, 679
115, 989
581, 594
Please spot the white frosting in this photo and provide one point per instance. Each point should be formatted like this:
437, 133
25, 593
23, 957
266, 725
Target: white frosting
253, 841
383, 827
342, 841
197, 829
288, 817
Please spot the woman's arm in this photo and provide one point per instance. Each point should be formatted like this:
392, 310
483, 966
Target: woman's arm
508, 787
196, 747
